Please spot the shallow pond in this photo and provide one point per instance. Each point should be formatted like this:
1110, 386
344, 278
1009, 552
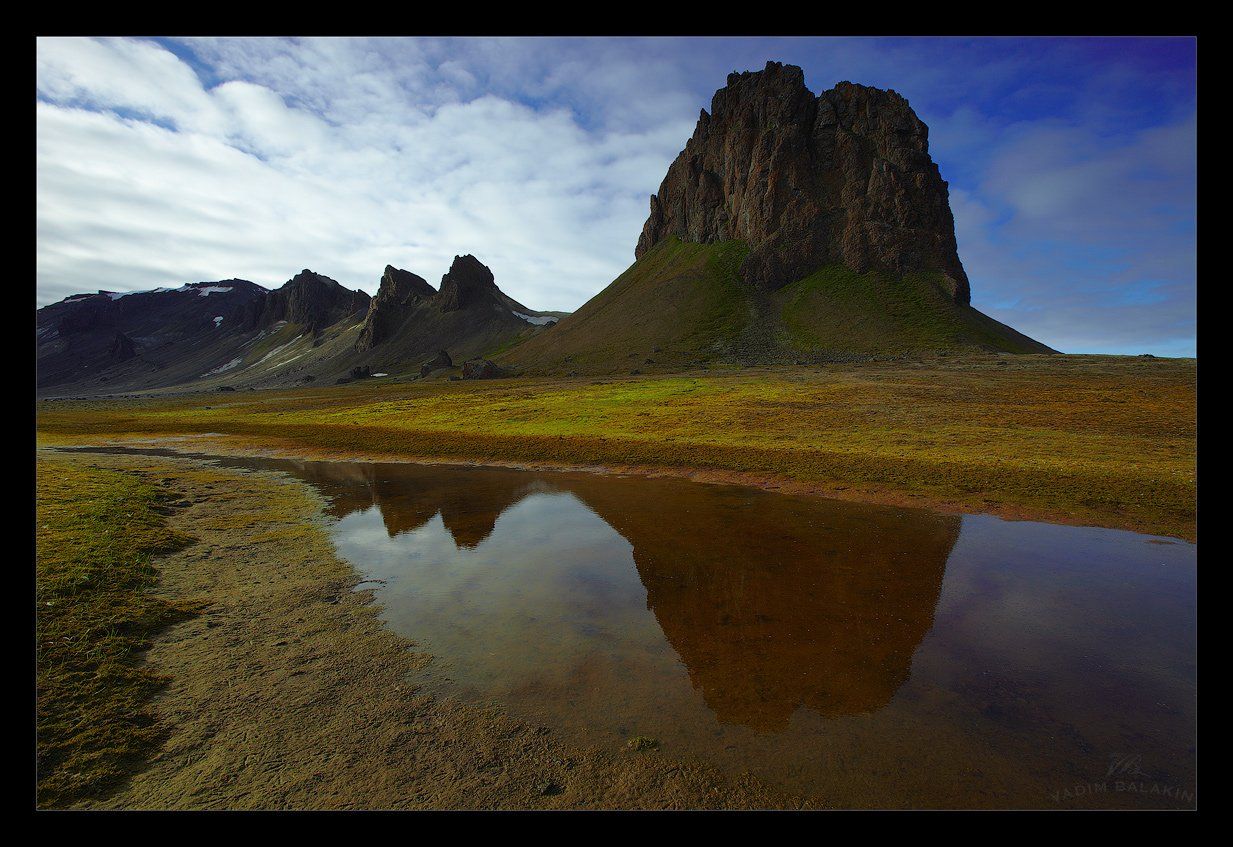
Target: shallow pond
852, 654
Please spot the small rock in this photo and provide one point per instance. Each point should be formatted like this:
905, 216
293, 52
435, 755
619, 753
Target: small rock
642, 743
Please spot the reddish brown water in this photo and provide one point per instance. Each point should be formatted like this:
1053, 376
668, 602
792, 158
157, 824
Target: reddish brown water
859, 656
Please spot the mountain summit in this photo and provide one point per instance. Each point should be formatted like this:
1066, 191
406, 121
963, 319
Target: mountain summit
841, 178
793, 227
312, 329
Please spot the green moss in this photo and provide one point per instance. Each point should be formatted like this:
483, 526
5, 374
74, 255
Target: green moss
642, 744
837, 310
682, 303
679, 303
96, 533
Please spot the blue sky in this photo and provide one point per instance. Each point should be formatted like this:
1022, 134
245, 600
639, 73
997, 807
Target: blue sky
1071, 162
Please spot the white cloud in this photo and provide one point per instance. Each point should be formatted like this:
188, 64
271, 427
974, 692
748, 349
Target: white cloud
1072, 177
326, 155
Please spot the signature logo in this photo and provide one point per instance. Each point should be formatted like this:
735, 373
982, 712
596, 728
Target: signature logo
1125, 766
1125, 775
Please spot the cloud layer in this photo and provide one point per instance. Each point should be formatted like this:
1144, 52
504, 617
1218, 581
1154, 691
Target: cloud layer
1072, 164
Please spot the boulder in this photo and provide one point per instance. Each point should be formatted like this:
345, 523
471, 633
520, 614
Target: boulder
441, 360
482, 369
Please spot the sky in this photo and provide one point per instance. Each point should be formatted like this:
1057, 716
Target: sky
1071, 162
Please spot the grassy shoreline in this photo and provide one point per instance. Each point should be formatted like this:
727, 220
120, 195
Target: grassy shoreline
1109, 441
287, 691
97, 532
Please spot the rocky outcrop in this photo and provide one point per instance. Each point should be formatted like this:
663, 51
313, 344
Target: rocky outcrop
311, 300
441, 360
122, 349
844, 177
399, 289
482, 369
468, 280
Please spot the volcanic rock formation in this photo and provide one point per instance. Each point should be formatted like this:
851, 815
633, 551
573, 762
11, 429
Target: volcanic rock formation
841, 178
482, 369
122, 348
387, 310
467, 279
311, 300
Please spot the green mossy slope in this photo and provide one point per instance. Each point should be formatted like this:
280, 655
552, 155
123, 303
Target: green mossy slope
684, 304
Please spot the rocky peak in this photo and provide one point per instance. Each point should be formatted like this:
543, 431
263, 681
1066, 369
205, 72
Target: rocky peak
312, 300
467, 280
399, 290
399, 286
844, 177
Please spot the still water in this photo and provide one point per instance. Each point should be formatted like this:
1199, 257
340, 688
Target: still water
850, 654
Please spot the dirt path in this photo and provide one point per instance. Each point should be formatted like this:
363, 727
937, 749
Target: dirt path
289, 693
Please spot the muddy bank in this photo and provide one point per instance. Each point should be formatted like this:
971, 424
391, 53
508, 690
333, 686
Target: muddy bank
287, 691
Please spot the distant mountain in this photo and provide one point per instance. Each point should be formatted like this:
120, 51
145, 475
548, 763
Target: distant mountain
468, 317
792, 227
236, 333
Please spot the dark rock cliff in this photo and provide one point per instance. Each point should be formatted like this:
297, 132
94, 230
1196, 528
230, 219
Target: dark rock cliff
311, 300
467, 280
388, 309
841, 177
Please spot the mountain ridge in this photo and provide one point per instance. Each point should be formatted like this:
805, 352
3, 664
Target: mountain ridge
793, 228
237, 333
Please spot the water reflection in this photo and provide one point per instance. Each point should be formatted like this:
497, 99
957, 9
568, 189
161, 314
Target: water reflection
771, 603
409, 496
858, 655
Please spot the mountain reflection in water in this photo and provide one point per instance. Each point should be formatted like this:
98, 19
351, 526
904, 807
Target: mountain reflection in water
772, 603
850, 654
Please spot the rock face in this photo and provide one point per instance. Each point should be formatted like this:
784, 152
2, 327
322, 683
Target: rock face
466, 280
310, 299
122, 348
844, 177
441, 360
388, 309
482, 369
